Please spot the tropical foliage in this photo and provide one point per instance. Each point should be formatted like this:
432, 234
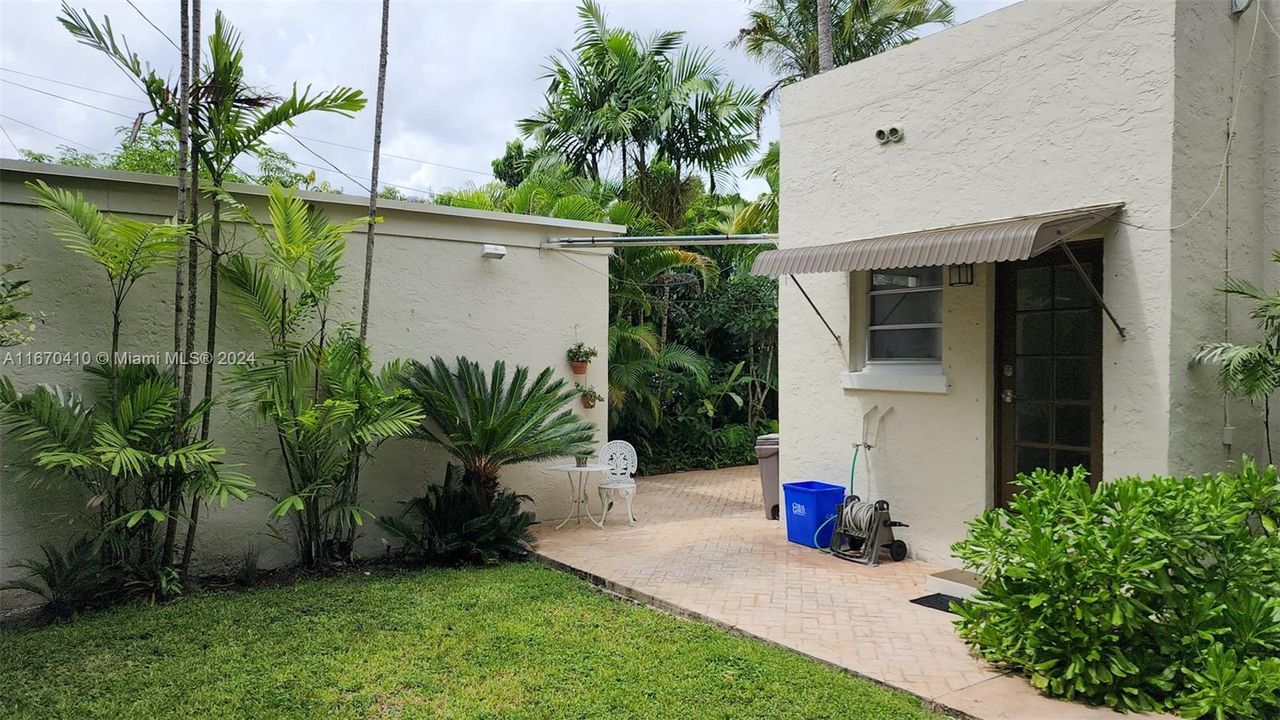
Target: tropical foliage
1251, 371
783, 34
617, 96
128, 448
1159, 594
16, 323
456, 523
489, 421
314, 384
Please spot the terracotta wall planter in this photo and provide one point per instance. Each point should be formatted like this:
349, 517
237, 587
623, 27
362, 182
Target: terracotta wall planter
579, 368
588, 402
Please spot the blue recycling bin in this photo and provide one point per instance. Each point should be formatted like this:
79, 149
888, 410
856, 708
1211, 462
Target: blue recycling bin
810, 504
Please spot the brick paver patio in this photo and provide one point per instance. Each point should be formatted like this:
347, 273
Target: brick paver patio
703, 548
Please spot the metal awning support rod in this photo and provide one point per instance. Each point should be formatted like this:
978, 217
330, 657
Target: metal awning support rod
661, 240
1088, 282
816, 310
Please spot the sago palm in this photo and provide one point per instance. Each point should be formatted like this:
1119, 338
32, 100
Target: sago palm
487, 422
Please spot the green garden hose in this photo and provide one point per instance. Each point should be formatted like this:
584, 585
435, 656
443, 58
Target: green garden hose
853, 469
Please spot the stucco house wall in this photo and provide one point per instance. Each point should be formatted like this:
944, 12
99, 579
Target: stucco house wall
432, 294
1041, 106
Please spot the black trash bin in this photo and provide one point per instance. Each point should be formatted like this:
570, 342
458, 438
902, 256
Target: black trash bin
767, 453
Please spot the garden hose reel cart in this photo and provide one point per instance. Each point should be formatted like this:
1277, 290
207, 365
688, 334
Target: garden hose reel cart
864, 529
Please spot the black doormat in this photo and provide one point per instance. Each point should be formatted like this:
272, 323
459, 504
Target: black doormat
937, 601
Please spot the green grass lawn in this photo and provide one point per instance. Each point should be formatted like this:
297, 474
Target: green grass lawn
519, 641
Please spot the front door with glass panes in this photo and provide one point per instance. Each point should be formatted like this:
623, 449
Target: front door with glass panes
1048, 367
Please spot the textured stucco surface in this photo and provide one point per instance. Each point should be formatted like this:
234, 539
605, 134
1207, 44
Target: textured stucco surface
1237, 230
1044, 105
432, 295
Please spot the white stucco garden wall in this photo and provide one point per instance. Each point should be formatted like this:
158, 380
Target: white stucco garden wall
1041, 106
432, 294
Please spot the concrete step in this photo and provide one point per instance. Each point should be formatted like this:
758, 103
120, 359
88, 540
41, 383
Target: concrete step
954, 582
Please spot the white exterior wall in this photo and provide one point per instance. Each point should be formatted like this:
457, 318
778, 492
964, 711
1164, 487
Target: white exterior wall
1041, 106
432, 295
1239, 227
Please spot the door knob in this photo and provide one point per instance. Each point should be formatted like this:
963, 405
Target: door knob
1007, 395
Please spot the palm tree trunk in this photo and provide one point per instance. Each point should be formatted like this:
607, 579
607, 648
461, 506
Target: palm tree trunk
174, 478
193, 266
211, 337
373, 181
825, 56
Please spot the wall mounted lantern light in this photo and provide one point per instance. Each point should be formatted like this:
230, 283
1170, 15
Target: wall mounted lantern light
960, 274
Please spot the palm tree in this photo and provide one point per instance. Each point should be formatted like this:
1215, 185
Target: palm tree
783, 34
316, 387
761, 214
617, 95
1251, 371
226, 118
488, 422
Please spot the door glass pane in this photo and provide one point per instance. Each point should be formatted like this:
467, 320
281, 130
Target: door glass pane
905, 278
1067, 459
1032, 422
906, 308
921, 344
1035, 288
1035, 333
1033, 378
1073, 379
1069, 290
1072, 425
1076, 330
1028, 459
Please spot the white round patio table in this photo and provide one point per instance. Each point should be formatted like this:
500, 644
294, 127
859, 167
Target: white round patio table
578, 497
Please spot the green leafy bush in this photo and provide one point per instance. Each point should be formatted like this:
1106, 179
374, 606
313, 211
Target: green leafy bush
456, 523
70, 582
1159, 594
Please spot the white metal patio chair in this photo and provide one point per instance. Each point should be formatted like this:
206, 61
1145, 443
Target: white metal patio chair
620, 456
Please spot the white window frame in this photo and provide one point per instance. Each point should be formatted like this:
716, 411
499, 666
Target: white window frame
906, 362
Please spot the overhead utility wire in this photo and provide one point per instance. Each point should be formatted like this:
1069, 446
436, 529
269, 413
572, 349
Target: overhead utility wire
46, 132
69, 84
391, 155
11, 142
326, 161
70, 100
154, 26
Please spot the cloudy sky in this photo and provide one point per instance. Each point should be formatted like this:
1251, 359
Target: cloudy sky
460, 74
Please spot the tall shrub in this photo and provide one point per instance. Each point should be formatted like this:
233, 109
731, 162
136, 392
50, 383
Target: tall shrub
1157, 594
314, 384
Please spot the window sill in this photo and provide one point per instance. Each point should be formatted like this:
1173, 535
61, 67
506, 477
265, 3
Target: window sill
903, 378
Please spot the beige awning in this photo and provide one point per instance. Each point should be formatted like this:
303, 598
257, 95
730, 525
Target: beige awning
991, 241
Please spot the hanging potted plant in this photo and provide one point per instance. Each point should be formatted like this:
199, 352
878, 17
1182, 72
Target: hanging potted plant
588, 395
579, 357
